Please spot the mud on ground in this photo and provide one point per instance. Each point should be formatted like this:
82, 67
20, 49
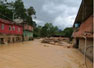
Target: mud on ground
34, 54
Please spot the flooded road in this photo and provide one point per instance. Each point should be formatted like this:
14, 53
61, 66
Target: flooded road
34, 54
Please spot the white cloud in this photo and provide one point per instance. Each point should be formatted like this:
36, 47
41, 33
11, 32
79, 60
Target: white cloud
39, 22
65, 15
61, 13
53, 8
63, 22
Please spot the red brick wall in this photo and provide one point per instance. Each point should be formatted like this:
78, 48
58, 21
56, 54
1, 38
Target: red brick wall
86, 26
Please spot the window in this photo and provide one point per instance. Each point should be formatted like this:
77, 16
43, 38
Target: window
10, 28
2, 26
14, 28
18, 29
77, 25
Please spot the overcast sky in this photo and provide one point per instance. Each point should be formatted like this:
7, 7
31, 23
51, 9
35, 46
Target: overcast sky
60, 13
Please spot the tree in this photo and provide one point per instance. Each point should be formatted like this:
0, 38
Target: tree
31, 11
5, 13
67, 32
48, 30
25, 14
44, 32
37, 31
19, 9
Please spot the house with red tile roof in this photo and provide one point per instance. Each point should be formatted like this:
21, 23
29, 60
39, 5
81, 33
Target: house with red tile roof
83, 28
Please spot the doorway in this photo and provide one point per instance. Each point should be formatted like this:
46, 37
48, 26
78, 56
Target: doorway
77, 42
1, 40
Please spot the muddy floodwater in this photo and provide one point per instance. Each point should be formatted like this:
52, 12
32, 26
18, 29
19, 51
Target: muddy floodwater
34, 54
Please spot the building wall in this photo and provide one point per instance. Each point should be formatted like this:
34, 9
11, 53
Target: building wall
28, 27
85, 29
89, 43
75, 43
4, 39
6, 30
27, 35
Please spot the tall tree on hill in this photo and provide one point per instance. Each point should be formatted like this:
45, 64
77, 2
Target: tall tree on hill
5, 13
31, 11
25, 14
19, 9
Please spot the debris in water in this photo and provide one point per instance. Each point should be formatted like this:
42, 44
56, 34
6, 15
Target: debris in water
46, 46
58, 41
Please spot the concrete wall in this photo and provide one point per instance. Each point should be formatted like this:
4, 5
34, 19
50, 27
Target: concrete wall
74, 41
27, 35
4, 39
89, 43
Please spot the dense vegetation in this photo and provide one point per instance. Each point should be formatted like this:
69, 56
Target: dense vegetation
49, 30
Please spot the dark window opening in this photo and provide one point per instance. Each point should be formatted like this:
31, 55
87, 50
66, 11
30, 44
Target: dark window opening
77, 43
10, 28
2, 26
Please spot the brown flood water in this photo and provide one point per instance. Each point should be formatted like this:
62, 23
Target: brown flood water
34, 54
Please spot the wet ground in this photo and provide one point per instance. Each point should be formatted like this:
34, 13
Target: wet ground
34, 54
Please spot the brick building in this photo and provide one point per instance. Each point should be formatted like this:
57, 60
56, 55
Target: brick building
83, 28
